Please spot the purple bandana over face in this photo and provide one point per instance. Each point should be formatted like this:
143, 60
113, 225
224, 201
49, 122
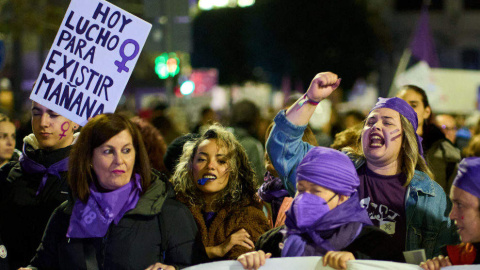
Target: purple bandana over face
93, 218
329, 168
307, 209
403, 108
332, 230
468, 176
310, 218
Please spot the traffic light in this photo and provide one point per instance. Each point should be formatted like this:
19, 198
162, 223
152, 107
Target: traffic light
161, 66
167, 65
173, 64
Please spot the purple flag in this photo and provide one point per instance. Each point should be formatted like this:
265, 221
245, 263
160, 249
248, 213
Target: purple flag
422, 46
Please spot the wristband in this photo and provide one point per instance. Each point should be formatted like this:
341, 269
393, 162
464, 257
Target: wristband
307, 100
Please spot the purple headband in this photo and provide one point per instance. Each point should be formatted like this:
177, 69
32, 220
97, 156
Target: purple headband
329, 168
468, 176
403, 108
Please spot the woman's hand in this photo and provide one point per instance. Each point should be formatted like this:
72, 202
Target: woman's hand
337, 259
322, 86
159, 266
240, 237
254, 259
436, 263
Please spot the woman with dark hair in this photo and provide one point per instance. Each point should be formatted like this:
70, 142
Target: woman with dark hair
120, 214
175, 150
215, 180
440, 154
245, 122
395, 183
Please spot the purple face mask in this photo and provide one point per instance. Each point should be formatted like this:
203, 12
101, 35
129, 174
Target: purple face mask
308, 209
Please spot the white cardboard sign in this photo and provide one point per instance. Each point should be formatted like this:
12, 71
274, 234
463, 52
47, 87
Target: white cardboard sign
307, 263
91, 60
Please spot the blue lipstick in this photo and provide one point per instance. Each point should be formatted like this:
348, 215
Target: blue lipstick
202, 181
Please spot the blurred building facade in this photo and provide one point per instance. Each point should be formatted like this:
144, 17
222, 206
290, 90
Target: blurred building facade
453, 23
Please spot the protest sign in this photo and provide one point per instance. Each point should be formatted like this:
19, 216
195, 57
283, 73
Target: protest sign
91, 60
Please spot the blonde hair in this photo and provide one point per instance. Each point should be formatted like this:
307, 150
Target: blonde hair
241, 185
473, 147
410, 158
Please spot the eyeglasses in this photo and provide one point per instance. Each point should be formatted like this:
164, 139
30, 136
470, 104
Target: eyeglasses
335, 195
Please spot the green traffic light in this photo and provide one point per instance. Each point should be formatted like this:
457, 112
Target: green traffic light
161, 66
167, 65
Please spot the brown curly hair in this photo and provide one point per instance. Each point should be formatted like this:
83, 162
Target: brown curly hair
241, 188
348, 137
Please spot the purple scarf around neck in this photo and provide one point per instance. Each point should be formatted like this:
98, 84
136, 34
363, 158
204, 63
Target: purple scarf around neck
93, 218
334, 231
30, 166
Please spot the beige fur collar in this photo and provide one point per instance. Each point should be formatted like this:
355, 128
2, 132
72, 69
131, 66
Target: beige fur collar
32, 140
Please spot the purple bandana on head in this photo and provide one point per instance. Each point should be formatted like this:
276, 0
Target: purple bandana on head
93, 218
307, 221
403, 108
329, 168
468, 176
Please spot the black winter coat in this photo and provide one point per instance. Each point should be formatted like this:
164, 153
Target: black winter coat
24, 215
135, 243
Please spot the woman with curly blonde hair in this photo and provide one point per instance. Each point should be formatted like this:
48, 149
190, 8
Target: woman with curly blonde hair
215, 180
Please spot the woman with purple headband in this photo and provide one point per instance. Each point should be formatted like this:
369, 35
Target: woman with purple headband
395, 183
325, 218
